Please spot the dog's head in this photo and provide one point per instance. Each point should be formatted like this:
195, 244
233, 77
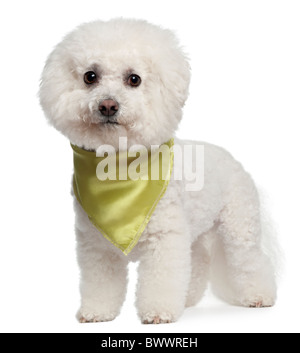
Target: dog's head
122, 78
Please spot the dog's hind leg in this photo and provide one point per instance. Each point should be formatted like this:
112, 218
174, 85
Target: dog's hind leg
247, 274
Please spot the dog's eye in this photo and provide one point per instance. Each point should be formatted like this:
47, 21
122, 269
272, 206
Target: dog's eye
134, 80
90, 77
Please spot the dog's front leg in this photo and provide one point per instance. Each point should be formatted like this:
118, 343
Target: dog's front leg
164, 273
103, 270
103, 280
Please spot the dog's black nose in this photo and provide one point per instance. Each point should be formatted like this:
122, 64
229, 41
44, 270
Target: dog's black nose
108, 107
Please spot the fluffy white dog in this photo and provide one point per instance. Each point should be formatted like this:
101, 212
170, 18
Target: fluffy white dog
128, 78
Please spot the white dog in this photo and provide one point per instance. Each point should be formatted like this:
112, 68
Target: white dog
128, 78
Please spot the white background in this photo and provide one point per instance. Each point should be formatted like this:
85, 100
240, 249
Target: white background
245, 91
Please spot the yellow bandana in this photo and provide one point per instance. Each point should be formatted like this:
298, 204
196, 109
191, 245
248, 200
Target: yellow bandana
121, 209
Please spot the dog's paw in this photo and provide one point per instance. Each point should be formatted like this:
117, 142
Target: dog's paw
258, 302
156, 321
261, 303
84, 317
84, 320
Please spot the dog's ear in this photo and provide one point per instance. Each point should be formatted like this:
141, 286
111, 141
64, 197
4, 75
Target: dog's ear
174, 72
174, 69
175, 79
57, 91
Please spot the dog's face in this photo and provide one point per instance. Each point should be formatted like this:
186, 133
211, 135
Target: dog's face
122, 78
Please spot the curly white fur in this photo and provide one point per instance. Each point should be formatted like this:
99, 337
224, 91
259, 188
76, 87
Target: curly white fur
218, 227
